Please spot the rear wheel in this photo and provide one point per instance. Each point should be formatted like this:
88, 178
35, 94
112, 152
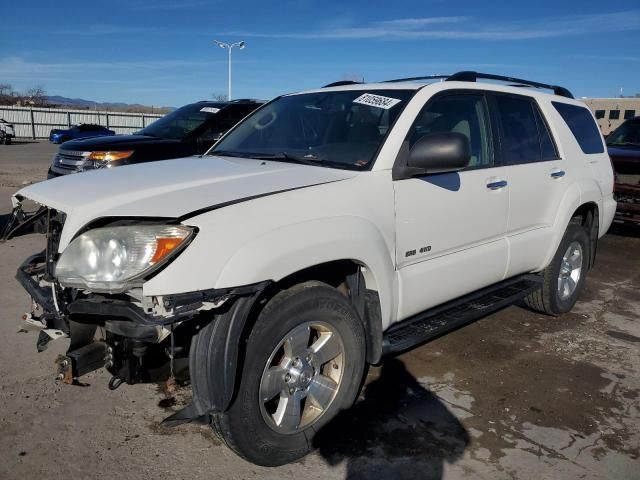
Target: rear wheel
564, 277
304, 362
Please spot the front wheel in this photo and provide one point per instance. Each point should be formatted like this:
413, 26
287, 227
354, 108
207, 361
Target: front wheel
564, 277
304, 362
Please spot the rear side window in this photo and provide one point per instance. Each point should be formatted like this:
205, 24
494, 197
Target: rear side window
582, 125
525, 136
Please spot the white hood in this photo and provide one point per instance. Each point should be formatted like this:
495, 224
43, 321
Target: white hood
170, 188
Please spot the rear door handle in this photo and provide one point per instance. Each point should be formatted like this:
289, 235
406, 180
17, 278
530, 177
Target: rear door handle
558, 174
497, 185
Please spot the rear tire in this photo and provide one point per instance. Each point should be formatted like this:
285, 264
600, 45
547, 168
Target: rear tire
564, 278
274, 431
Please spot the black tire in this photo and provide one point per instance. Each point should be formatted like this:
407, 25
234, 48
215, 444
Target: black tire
243, 426
7, 140
547, 298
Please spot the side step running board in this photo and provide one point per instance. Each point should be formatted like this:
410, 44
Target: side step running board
449, 316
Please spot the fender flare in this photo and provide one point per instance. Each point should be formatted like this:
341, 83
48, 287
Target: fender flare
275, 255
576, 196
214, 362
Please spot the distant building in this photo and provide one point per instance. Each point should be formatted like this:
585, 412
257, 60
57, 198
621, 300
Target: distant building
611, 112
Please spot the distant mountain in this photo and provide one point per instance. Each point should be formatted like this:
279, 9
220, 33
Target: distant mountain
81, 103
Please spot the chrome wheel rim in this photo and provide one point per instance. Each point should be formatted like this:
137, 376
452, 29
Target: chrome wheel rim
302, 377
570, 271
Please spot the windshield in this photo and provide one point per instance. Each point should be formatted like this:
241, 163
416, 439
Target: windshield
181, 122
626, 134
341, 129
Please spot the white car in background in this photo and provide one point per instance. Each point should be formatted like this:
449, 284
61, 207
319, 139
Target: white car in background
326, 230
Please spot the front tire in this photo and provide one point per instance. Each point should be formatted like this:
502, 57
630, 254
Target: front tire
564, 278
304, 363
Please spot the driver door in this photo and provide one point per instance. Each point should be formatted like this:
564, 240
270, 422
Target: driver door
450, 228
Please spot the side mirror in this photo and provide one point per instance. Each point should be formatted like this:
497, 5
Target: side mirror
439, 153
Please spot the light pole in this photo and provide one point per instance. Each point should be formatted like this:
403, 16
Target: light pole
229, 47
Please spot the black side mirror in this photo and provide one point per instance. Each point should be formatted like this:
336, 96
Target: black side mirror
439, 153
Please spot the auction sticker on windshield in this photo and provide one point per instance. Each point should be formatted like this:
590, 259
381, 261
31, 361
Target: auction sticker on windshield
210, 109
376, 101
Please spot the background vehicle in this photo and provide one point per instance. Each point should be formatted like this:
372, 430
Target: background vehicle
83, 130
326, 230
189, 130
624, 150
7, 133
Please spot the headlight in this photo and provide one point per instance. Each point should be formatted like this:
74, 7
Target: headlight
115, 258
104, 159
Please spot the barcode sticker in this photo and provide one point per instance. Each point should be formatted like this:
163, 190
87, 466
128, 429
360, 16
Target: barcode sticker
210, 109
377, 101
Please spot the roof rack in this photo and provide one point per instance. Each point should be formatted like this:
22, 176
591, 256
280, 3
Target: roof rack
411, 79
469, 76
474, 76
340, 83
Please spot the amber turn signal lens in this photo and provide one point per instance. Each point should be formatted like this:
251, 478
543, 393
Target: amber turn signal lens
164, 246
110, 156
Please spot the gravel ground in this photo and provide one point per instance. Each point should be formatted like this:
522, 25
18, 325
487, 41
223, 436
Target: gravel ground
516, 395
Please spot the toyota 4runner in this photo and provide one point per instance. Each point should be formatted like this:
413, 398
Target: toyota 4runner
328, 229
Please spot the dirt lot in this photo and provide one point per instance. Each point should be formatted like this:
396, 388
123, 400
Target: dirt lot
516, 395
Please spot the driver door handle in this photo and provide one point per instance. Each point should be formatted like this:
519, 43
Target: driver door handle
497, 185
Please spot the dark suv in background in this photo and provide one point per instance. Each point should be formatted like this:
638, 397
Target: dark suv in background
624, 149
189, 130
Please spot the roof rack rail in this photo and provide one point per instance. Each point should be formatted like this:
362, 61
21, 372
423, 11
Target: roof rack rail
474, 76
411, 79
469, 76
340, 83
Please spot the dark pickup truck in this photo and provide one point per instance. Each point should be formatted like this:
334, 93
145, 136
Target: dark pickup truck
189, 130
624, 150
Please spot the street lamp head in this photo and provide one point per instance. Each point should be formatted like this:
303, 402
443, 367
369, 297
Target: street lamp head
221, 44
242, 45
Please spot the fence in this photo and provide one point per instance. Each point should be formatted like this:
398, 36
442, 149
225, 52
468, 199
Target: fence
38, 122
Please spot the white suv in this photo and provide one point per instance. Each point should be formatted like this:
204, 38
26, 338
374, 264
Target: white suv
327, 229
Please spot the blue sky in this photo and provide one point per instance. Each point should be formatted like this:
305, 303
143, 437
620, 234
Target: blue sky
162, 52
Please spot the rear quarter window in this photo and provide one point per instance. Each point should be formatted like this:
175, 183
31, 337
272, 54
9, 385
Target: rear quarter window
582, 125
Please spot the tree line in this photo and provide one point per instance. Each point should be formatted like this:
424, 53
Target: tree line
37, 97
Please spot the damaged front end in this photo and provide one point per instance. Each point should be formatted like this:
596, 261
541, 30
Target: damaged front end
137, 338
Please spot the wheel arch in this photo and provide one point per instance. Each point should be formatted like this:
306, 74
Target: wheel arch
358, 283
576, 206
318, 250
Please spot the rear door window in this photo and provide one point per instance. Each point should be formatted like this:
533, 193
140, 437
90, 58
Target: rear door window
520, 138
582, 125
548, 149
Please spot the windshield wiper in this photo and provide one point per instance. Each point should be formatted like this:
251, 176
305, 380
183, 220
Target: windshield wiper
286, 157
230, 153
